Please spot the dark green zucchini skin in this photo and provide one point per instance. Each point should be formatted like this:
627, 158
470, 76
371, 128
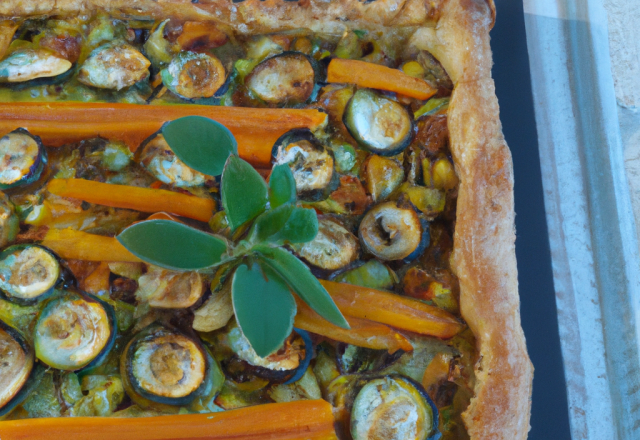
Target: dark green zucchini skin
130, 380
349, 122
39, 298
34, 377
38, 165
425, 241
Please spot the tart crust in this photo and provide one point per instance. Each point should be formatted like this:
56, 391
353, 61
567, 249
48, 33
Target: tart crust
456, 32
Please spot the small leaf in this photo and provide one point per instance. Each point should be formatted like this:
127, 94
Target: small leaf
264, 307
300, 279
244, 192
270, 223
282, 186
173, 245
285, 224
201, 143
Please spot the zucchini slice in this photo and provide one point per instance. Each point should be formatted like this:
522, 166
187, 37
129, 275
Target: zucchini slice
74, 330
28, 273
379, 124
22, 158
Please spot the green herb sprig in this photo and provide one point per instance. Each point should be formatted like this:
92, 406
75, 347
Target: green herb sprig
265, 274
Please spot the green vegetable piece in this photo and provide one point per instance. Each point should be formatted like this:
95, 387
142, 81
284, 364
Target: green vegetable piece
285, 224
300, 279
264, 307
431, 107
173, 245
201, 143
345, 158
70, 389
43, 401
116, 156
244, 192
105, 393
372, 274
282, 186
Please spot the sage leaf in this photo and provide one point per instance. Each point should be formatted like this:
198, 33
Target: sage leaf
244, 192
201, 143
300, 279
285, 224
282, 186
173, 245
264, 307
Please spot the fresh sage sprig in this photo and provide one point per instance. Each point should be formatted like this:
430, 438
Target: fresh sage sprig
266, 274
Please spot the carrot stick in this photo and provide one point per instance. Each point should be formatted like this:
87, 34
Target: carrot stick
77, 245
379, 77
301, 420
59, 123
133, 197
392, 309
363, 333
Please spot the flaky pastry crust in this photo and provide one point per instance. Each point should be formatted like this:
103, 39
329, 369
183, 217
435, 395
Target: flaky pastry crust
456, 32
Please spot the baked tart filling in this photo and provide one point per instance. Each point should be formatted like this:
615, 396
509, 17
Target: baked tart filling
196, 219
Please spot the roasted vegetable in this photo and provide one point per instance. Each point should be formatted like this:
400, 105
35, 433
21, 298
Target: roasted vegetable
9, 222
163, 369
352, 359
391, 232
286, 365
28, 273
379, 124
114, 66
22, 158
372, 274
27, 64
15, 369
333, 248
310, 162
284, 80
216, 312
74, 330
165, 289
393, 408
159, 50
380, 77
194, 75
156, 156
383, 176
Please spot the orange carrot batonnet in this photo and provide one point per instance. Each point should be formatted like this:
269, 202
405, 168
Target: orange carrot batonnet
77, 245
379, 77
392, 309
59, 123
133, 197
301, 420
363, 333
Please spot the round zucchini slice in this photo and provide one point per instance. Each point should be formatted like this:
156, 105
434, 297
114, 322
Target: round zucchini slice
156, 156
333, 248
22, 158
16, 366
28, 273
162, 368
286, 79
393, 408
194, 75
310, 162
379, 124
30, 64
74, 330
391, 232
114, 66
286, 365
